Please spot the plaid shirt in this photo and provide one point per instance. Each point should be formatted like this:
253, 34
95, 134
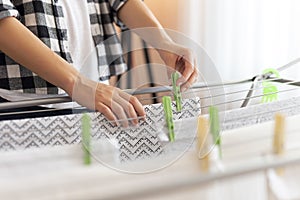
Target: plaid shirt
45, 18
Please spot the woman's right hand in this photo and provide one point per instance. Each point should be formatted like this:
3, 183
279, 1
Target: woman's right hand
115, 104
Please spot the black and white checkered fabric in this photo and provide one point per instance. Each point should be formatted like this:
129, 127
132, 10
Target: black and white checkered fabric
45, 18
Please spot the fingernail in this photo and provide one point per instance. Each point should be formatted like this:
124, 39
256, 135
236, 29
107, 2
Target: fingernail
134, 122
135, 125
125, 126
183, 89
180, 81
144, 117
114, 123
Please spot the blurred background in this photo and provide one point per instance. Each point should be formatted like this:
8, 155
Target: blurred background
242, 37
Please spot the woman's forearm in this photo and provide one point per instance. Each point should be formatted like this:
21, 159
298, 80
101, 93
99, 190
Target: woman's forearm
24, 47
20, 44
138, 17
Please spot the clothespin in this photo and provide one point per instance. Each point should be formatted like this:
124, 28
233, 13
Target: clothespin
270, 91
167, 104
215, 127
86, 138
279, 137
202, 144
176, 91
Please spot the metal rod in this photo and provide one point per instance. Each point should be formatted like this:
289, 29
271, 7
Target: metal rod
186, 182
229, 93
201, 107
158, 89
34, 102
290, 64
65, 99
149, 69
250, 92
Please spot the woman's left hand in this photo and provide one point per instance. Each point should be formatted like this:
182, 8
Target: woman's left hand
182, 60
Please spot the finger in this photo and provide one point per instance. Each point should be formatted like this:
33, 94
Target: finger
193, 78
186, 69
138, 107
128, 107
107, 112
120, 113
170, 71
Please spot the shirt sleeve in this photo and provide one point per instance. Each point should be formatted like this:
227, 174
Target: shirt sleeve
7, 9
116, 5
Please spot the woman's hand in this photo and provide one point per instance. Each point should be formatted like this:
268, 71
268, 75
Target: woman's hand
111, 101
181, 59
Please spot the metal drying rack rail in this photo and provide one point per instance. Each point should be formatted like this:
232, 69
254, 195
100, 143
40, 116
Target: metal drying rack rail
151, 90
65, 99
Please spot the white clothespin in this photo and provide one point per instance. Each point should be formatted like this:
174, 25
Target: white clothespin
279, 137
202, 143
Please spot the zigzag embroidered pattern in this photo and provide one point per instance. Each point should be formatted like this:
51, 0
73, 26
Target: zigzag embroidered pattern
134, 143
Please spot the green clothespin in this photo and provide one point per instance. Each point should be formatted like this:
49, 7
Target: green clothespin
176, 91
270, 91
215, 127
86, 138
167, 104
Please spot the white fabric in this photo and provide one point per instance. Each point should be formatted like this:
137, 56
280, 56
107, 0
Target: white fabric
81, 46
81, 43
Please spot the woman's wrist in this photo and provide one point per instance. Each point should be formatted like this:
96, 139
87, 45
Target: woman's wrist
166, 49
69, 79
